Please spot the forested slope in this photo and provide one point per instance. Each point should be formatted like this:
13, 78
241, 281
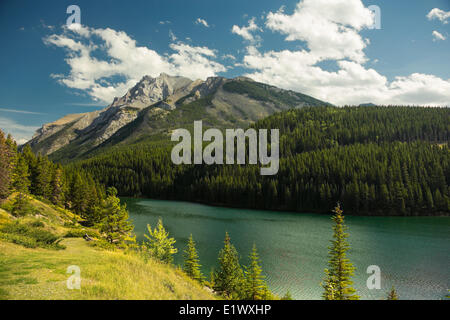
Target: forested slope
375, 160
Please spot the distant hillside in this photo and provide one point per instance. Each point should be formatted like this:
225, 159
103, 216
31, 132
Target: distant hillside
155, 106
375, 160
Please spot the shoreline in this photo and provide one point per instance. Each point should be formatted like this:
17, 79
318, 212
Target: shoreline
227, 206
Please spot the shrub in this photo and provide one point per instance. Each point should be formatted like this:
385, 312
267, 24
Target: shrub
20, 240
159, 245
74, 233
37, 224
30, 236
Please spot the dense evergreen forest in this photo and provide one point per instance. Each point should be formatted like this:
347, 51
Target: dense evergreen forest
374, 160
25, 173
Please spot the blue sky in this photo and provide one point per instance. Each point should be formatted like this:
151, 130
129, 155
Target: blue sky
46, 76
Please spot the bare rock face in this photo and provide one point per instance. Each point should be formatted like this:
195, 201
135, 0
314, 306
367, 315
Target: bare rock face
210, 85
53, 136
98, 126
153, 99
151, 90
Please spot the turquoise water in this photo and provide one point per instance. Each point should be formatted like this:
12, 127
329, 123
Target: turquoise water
413, 253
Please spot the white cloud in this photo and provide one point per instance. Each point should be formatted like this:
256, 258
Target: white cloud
228, 56
19, 111
194, 62
172, 36
246, 32
125, 63
20, 132
439, 14
438, 36
330, 30
202, 22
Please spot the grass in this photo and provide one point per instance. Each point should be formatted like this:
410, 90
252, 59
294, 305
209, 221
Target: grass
41, 273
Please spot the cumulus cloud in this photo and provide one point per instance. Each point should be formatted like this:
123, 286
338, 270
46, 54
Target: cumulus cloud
202, 22
438, 36
330, 30
194, 62
439, 14
246, 32
228, 56
124, 62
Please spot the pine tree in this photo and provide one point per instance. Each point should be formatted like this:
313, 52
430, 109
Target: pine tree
159, 245
57, 187
5, 167
229, 278
337, 283
79, 196
43, 176
192, 263
21, 184
115, 224
255, 286
392, 294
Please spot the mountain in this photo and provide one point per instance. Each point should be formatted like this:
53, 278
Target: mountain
369, 104
155, 106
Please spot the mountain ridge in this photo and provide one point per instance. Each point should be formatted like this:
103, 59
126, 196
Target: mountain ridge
163, 102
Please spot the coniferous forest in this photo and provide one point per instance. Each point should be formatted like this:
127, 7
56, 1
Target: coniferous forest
27, 173
375, 160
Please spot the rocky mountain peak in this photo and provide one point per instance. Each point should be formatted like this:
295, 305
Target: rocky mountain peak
150, 90
235, 101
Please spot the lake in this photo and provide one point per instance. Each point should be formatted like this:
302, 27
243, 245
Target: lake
413, 253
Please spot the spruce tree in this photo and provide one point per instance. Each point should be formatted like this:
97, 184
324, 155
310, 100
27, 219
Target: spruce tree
392, 294
5, 167
79, 196
192, 262
337, 283
255, 286
43, 177
21, 182
159, 245
21, 185
229, 278
115, 224
57, 193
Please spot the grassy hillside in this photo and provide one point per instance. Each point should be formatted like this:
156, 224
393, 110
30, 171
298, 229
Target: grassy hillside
31, 268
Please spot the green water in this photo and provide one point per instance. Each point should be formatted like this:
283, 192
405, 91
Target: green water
413, 253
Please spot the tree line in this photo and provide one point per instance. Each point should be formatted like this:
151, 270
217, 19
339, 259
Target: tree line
24, 173
376, 160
